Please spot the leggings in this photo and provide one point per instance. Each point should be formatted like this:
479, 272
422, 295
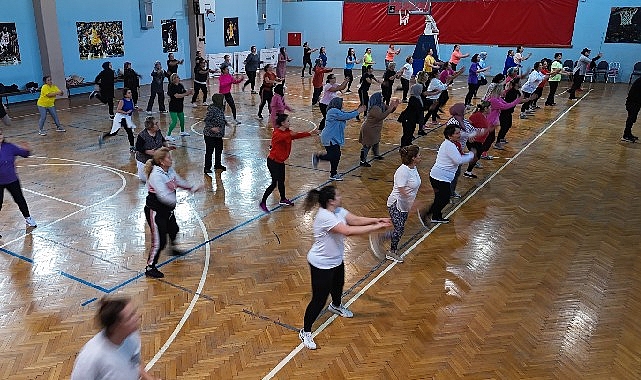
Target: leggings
527, 104
277, 171
539, 92
251, 79
333, 155
266, 95
306, 61
323, 109
408, 133
316, 94
441, 197
405, 83
16, 193
161, 224
365, 151
130, 133
230, 102
471, 90
213, 145
577, 80
175, 116
553, 86
633, 113
43, 115
134, 94
324, 283
386, 91
505, 120
398, 220
197, 88
363, 96
347, 73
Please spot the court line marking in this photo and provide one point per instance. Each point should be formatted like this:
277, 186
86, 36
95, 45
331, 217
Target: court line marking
322, 327
54, 198
189, 310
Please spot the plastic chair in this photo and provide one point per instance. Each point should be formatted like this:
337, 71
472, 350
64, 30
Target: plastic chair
568, 65
613, 71
636, 71
602, 69
589, 73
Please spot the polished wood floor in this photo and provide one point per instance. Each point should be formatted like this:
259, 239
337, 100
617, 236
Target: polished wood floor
536, 277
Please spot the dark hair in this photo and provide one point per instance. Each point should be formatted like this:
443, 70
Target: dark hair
150, 121
124, 91
475, 58
322, 197
537, 65
267, 66
330, 77
449, 130
498, 78
510, 51
252, 47
282, 50
482, 105
408, 153
109, 312
454, 48
318, 62
519, 48
280, 118
408, 58
44, 78
558, 54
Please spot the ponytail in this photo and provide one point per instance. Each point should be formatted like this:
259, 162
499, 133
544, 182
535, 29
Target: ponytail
320, 197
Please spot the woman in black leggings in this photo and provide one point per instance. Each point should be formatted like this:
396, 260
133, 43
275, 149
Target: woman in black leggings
325, 258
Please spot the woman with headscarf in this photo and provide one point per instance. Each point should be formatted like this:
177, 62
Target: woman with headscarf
370, 135
280, 148
412, 115
448, 159
281, 66
213, 132
333, 136
278, 104
330, 91
105, 82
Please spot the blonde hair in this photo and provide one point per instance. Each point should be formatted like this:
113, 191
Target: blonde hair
158, 156
171, 78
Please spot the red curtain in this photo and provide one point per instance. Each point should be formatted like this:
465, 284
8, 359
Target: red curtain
487, 22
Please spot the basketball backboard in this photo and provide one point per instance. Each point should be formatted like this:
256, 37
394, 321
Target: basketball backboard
400, 7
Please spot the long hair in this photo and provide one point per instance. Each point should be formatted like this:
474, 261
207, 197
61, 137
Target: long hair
320, 197
109, 310
155, 160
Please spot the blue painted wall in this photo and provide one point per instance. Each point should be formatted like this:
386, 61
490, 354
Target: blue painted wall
21, 13
320, 22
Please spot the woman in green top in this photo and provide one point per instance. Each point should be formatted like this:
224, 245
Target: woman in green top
367, 60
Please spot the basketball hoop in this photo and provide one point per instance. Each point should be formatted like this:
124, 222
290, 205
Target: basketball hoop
626, 15
404, 17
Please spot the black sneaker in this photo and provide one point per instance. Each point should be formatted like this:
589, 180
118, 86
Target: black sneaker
153, 272
207, 171
220, 167
177, 252
365, 164
379, 157
630, 139
469, 175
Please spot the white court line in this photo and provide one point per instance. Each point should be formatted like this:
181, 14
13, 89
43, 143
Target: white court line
298, 348
201, 284
54, 198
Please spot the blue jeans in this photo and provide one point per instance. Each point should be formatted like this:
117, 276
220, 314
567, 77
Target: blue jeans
43, 115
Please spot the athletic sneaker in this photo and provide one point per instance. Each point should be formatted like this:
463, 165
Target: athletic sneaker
111, 117
205, 103
379, 157
340, 310
170, 138
149, 113
314, 160
348, 91
254, 92
630, 139
101, 140
394, 257
487, 157
220, 167
30, 222
153, 272
185, 133
164, 111
499, 146
177, 252
440, 220
132, 149
286, 202
263, 207
336, 177
469, 175
306, 338
194, 105
456, 195
42, 132
478, 165
61, 129
365, 164
260, 116
523, 115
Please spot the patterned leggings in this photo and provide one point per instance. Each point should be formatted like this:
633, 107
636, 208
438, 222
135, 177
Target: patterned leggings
398, 220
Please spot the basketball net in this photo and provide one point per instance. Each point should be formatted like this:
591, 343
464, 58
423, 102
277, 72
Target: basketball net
404, 17
626, 16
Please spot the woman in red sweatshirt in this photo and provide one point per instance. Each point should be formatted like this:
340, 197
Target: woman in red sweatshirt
281, 147
225, 81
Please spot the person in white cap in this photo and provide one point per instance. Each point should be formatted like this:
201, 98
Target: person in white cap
583, 64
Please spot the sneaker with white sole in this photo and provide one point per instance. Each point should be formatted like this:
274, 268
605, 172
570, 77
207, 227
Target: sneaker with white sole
306, 338
394, 257
205, 103
149, 113
194, 105
340, 310
170, 138
30, 222
185, 133
61, 129
42, 132
315, 160
336, 177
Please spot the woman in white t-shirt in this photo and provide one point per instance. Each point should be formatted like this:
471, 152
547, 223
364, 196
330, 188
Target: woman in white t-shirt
331, 224
401, 199
406, 75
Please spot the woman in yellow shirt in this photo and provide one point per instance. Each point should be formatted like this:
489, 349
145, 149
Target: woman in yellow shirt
46, 103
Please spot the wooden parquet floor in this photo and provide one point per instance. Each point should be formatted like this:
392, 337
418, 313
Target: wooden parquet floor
536, 276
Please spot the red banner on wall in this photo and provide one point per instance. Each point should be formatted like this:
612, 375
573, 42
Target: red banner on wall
490, 22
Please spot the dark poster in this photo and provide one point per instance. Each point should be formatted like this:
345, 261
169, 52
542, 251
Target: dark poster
169, 36
100, 39
231, 31
9, 50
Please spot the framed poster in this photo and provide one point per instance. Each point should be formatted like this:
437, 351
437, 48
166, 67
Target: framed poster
231, 31
9, 49
169, 36
624, 25
100, 39
268, 56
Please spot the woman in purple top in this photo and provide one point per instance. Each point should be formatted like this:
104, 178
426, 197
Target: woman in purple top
283, 58
9, 177
473, 79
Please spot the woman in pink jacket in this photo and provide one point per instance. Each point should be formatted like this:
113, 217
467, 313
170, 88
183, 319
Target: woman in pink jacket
225, 81
278, 104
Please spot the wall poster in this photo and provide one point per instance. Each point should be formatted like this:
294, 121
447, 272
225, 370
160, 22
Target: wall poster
624, 25
231, 31
9, 50
100, 39
169, 36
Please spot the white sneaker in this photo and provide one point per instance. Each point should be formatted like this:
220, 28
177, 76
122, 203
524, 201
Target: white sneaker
30, 222
185, 133
205, 103
341, 310
394, 257
149, 113
194, 105
170, 138
306, 338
